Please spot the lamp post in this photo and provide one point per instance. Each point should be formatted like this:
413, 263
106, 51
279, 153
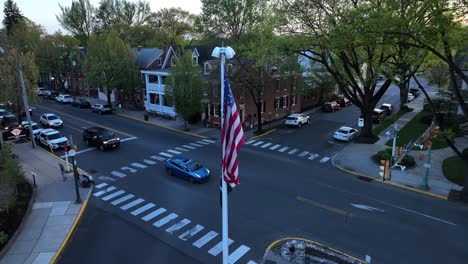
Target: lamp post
395, 135
25, 100
72, 153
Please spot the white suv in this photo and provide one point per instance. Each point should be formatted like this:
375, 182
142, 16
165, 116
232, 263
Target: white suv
52, 139
64, 98
296, 120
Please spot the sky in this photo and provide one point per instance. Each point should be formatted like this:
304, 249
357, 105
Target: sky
44, 12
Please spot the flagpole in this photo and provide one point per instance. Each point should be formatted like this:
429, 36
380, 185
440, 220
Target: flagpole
223, 182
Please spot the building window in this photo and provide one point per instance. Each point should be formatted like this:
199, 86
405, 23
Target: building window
206, 68
159, 61
293, 99
153, 78
216, 109
284, 83
154, 98
285, 101
262, 106
195, 60
167, 101
277, 103
277, 84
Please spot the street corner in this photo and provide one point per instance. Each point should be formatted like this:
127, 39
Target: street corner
300, 250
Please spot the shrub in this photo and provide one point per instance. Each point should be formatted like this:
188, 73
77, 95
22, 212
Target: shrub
386, 154
3, 238
408, 161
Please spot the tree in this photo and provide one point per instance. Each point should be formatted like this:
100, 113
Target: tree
290, 67
109, 63
317, 78
438, 75
11, 15
126, 13
186, 89
78, 19
174, 23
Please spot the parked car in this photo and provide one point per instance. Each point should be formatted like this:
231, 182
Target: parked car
51, 95
410, 97
64, 98
9, 121
330, 106
297, 120
346, 133
343, 102
415, 91
378, 115
4, 112
53, 139
388, 108
100, 137
81, 103
40, 91
101, 109
50, 120
187, 169
35, 128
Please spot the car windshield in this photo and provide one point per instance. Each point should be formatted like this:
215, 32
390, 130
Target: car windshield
54, 136
106, 134
52, 117
193, 166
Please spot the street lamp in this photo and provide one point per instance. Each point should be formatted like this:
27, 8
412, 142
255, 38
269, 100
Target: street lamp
395, 135
76, 176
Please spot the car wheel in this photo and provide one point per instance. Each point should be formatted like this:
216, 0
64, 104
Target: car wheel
299, 124
308, 121
101, 148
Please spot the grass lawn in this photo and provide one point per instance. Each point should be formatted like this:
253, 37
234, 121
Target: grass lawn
387, 122
454, 169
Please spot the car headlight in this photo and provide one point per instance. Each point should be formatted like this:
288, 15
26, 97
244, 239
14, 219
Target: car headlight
50, 123
105, 142
54, 146
196, 175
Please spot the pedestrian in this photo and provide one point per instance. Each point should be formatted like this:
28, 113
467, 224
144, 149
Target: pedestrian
62, 171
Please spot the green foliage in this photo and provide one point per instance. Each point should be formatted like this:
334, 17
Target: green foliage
412, 130
78, 19
172, 24
3, 238
387, 122
11, 15
455, 169
10, 169
386, 154
438, 75
123, 12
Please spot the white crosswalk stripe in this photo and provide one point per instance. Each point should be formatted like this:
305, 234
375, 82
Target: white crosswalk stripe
283, 149
165, 154
313, 156
219, 247
190, 233
105, 178
110, 189
138, 165
165, 220
250, 142
158, 158
129, 205
266, 145
237, 254
209, 141
99, 186
118, 174
203, 142
143, 208
205, 239
110, 196
150, 162
189, 147
303, 153
275, 146
258, 143
123, 199
174, 151
293, 151
325, 159
196, 145
181, 149
178, 226
153, 214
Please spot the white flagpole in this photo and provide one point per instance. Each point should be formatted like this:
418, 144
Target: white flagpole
223, 182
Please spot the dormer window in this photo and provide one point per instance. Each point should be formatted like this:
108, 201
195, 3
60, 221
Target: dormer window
195, 60
159, 61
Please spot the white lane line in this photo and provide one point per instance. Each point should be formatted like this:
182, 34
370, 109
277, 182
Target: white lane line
127, 139
79, 152
105, 178
189, 147
237, 254
129, 205
325, 159
258, 143
190, 233
418, 213
209, 141
181, 149
110, 196
157, 158
293, 151
303, 153
118, 174
99, 186
203, 142
275, 146
150, 162
205, 239
165, 154
266, 145
165, 220
110, 189
123, 199
195, 145
219, 247
128, 169
313, 156
143, 208
250, 142
174, 152
138, 165
153, 214
178, 226
283, 149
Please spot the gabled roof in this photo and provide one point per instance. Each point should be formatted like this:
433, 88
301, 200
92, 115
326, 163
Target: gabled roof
146, 56
204, 51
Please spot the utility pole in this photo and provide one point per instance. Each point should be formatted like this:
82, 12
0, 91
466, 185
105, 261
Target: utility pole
25, 100
392, 160
76, 176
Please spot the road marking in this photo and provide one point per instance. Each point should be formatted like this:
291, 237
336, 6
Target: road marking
283, 149
275, 146
303, 153
250, 142
189, 147
181, 149
324, 206
143, 208
178, 226
205, 239
418, 213
190, 233
110, 189
99, 186
110, 196
251, 262
325, 159
150, 162
219, 247
237, 254
366, 207
258, 143
293, 151
203, 142
79, 152
129, 205
195, 145
266, 145
123, 199
313, 156
138, 165
209, 141
334, 143
105, 178
157, 158
129, 169
165, 154
174, 151
127, 139
165, 220
153, 214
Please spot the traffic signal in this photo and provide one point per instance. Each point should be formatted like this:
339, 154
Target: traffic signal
384, 169
66, 148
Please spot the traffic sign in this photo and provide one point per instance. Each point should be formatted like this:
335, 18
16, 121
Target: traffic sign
361, 122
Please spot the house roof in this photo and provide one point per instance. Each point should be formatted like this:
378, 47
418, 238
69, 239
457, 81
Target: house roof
146, 56
204, 51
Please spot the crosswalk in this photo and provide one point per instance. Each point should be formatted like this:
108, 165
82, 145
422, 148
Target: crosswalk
134, 167
286, 150
172, 223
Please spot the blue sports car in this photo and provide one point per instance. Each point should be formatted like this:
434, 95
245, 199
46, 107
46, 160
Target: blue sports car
187, 169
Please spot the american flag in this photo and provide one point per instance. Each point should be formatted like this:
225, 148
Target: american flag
232, 137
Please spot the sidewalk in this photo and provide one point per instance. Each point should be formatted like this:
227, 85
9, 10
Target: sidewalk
53, 216
351, 160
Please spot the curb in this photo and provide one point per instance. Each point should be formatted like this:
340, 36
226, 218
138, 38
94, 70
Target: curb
387, 182
272, 244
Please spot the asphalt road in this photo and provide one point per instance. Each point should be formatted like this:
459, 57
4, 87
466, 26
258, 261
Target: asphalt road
282, 194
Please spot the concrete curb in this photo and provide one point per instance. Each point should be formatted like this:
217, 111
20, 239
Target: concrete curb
268, 249
387, 182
